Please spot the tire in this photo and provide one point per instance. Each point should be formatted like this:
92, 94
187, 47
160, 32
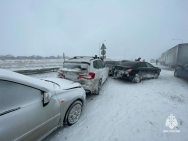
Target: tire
137, 79
97, 90
176, 74
140, 74
73, 113
156, 76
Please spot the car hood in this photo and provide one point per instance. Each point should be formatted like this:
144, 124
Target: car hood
64, 83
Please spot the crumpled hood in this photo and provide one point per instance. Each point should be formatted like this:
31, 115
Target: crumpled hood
64, 83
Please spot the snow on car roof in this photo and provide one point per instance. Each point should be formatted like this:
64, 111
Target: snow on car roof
87, 60
23, 79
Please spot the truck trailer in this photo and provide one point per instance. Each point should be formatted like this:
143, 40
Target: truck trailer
175, 56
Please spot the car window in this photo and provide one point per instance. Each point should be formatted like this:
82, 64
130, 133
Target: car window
95, 65
118, 63
14, 95
75, 66
130, 64
99, 64
139, 65
149, 65
103, 64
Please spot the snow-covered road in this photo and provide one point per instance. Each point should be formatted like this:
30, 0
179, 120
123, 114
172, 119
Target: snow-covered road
131, 112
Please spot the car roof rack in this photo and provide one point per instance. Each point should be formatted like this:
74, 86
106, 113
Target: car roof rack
78, 57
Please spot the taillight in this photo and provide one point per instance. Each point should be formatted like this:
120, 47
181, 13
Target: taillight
129, 70
60, 74
89, 76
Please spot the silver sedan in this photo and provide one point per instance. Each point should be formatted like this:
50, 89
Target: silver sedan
30, 108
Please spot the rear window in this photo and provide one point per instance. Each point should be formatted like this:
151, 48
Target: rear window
130, 64
75, 66
110, 62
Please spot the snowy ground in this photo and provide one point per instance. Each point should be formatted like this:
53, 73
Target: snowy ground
30, 64
131, 112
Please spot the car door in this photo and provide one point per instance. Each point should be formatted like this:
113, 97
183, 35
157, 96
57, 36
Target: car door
184, 71
151, 70
102, 70
141, 67
96, 71
22, 114
106, 70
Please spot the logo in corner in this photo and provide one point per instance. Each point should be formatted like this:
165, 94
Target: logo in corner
171, 121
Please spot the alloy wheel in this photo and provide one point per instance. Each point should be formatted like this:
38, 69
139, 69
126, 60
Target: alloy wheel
74, 113
156, 76
136, 79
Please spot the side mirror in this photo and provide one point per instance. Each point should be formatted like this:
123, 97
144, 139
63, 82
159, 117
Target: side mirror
46, 98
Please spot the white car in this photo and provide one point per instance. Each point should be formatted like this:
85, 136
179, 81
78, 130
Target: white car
90, 72
30, 109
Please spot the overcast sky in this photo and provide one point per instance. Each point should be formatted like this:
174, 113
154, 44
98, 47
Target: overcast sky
138, 28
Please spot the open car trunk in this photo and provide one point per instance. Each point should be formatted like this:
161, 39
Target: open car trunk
74, 71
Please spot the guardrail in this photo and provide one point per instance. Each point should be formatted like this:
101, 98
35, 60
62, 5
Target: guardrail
37, 71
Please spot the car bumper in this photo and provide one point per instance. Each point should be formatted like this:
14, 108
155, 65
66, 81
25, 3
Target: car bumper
126, 76
90, 86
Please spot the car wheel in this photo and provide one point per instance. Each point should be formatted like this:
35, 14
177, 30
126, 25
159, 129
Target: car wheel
156, 75
136, 79
176, 74
74, 113
140, 74
97, 90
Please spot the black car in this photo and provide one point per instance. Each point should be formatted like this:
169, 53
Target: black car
135, 71
182, 71
110, 65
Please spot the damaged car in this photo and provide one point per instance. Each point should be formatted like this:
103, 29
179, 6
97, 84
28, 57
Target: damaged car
90, 72
135, 71
110, 65
31, 109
